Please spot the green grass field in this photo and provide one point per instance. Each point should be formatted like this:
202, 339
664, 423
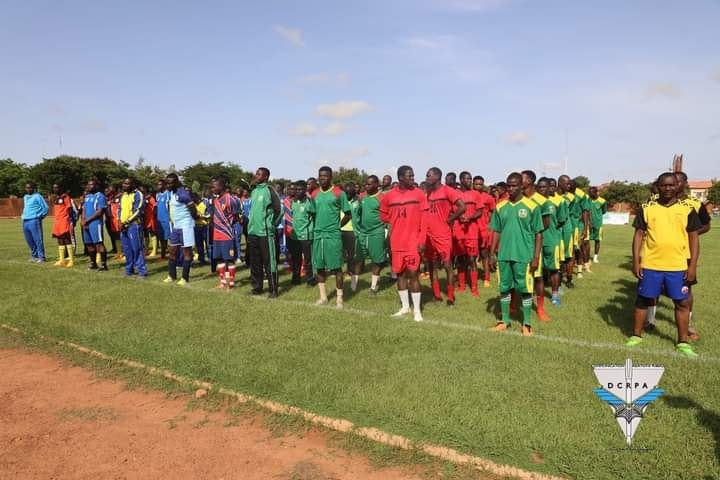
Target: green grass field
447, 380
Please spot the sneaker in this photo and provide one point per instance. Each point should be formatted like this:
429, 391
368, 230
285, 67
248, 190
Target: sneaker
595, 259
633, 341
167, 280
339, 305
579, 275
70, 264
59, 263
569, 284
401, 312
685, 349
182, 282
417, 316
527, 331
92, 266
39, 260
450, 303
321, 301
499, 327
555, 301
104, 268
486, 283
587, 268
543, 316
649, 327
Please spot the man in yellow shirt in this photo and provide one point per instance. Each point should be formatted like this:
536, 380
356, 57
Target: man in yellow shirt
666, 236
130, 214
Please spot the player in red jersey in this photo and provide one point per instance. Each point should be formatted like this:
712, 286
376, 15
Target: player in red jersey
441, 215
466, 234
404, 209
488, 206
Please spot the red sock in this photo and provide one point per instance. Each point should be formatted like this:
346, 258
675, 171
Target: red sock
487, 275
436, 289
473, 280
221, 273
451, 292
231, 270
540, 300
461, 280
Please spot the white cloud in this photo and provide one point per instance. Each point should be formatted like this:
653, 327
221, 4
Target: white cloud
292, 35
304, 130
311, 130
324, 78
668, 90
342, 110
473, 5
517, 138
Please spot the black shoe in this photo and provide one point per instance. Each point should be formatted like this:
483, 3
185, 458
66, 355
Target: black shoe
450, 303
311, 283
295, 281
649, 328
569, 284
255, 292
93, 266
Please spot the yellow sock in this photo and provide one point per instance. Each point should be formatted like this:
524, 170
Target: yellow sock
61, 253
98, 259
118, 248
153, 245
70, 254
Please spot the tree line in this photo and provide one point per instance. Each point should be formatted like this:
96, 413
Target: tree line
72, 173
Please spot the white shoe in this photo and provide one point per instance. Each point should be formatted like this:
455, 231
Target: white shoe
401, 312
321, 301
339, 305
417, 316
595, 259
579, 275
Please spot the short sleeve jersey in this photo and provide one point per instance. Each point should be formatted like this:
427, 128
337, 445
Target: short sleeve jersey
163, 205
302, 211
699, 208
180, 216
92, 203
517, 224
350, 226
369, 222
328, 205
473, 202
64, 212
440, 205
543, 203
666, 245
224, 209
488, 205
598, 207
404, 211
551, 235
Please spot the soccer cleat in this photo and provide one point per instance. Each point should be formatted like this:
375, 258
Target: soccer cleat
168, 280
649, 327
595, 259
633, 341
59, 263
587, 268
543, 316
182, 282
321, 301
70, 264
555, 301
104, 268
449, 303
579, 275
417, 316
486, 283
686, 350
401, 312
569, 284
499, 327
527, 331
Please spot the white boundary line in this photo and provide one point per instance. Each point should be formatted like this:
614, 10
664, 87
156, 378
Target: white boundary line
339, 425
703, 358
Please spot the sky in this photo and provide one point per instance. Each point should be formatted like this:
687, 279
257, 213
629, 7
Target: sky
609, 90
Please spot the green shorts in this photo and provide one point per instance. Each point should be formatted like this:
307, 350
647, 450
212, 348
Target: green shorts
515, 276
567, 241
327, 253
596, 233
373, 246
551, 257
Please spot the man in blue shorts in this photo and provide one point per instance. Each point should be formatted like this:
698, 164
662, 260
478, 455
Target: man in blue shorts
93, 212
162, 211
182, 229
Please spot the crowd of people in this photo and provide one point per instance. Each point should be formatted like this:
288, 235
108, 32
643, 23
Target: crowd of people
534, 232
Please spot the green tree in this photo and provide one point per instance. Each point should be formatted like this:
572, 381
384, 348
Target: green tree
72, 173
582, 182
344, 175
147, 175
201, 173
635, 193
714, 193
13, 176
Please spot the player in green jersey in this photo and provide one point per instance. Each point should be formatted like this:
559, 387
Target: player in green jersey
328, 202
370, 233
301, 236
598, 208
517, 225
569, 229
554, 254
546, 211
582, 206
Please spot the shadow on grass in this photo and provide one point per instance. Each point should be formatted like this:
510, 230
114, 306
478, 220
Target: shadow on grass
618, 310
706, 418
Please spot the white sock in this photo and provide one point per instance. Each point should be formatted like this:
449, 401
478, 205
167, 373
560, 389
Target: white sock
339, 295
374, 281
595, 258
690, 324
404, 299
354, 282
323, 291
416, 301
393, 275
651, 315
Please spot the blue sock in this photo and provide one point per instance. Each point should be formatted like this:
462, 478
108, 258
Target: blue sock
186, 269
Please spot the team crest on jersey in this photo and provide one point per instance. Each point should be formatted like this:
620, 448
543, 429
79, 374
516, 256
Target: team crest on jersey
522, 213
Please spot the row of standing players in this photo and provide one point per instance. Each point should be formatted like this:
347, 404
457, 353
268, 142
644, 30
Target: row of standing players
546, 225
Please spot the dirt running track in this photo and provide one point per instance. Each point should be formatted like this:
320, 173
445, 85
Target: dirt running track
59, 422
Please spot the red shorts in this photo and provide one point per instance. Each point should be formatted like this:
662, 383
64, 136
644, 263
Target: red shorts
485, 239
466, 246
438, 248
402, 261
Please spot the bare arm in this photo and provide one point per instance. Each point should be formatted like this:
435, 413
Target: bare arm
636, 246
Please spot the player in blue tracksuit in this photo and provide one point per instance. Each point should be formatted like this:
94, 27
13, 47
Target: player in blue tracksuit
34, 210
132, 206
162, 211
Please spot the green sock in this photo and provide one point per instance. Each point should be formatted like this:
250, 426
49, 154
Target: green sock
505, 307
527, 309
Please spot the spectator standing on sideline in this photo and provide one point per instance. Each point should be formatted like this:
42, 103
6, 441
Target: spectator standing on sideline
34, 210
